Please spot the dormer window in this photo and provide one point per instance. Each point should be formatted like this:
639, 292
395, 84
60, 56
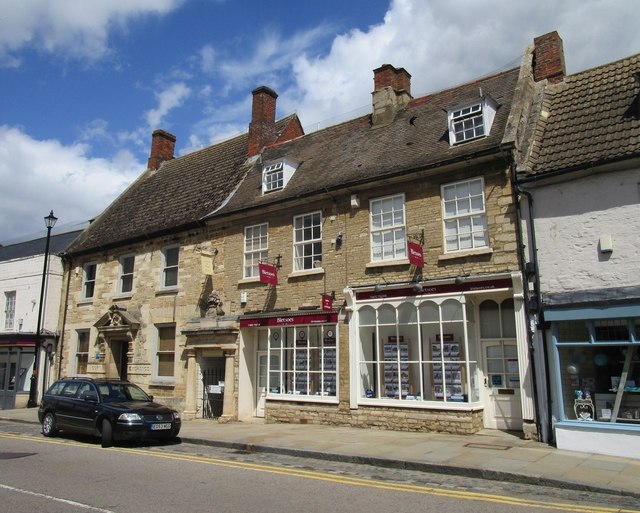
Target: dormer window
471, 121
276, 175
273, 177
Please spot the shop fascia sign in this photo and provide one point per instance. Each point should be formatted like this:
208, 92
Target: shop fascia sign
444, 288
290, 320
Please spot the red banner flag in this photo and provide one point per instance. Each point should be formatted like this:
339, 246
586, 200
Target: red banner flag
268, 274
327, 303
416, 256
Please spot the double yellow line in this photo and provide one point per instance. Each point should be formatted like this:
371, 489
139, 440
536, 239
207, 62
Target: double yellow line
352, 481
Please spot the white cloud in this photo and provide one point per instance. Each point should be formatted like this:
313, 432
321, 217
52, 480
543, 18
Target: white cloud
170, 98
443, 43
62, 178
79, 29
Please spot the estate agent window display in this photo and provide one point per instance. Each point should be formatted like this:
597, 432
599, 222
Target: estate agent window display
413, 352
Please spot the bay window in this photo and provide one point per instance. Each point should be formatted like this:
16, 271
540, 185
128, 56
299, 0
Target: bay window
416, 350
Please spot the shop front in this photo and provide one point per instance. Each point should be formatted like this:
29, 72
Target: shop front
595, 378
454, 352
287, 359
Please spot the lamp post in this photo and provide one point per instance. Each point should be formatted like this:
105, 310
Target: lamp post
49, 222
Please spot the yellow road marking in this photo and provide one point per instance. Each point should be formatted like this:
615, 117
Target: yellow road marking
345, 480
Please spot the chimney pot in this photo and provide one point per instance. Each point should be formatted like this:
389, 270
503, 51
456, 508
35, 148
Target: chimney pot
162, 147
548, 58
262, 129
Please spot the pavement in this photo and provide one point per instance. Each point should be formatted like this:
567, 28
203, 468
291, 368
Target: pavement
489, 454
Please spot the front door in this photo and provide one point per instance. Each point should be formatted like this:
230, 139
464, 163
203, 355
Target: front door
501, 391
120, 359
261, 382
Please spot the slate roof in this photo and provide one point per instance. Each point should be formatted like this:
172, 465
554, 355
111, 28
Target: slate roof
57, 244
354, 153
176, 196
594, 118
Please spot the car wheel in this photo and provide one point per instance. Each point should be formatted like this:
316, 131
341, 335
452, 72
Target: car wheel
107, 433
49, 425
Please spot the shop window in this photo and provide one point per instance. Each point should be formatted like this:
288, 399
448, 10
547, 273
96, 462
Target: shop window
303, 361
599, 369
165, 352
82, 351
415, 351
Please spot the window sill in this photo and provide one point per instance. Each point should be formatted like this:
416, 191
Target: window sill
332, 399
119, 297
168, 384
253, 279
85, 302
308, 272
422, 405
387, 263
167, 292
465, 254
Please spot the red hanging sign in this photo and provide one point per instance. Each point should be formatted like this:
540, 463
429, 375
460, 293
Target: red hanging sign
268, 274
327, 303
416, 256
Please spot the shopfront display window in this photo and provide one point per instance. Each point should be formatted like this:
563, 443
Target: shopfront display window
302, 360
416, 351
600, 375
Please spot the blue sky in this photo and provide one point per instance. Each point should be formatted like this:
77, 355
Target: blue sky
84, 83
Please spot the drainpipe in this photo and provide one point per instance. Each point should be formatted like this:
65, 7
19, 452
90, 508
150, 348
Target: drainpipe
538, 308
66, 263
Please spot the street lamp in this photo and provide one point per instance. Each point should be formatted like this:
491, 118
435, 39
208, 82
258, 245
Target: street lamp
49, 222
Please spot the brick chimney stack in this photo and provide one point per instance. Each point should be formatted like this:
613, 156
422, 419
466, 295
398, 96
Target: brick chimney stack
262, 129
548, 58
388, 76
162, 146
392, 92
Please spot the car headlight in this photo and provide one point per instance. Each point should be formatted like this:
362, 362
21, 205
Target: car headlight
130, 417
176, 415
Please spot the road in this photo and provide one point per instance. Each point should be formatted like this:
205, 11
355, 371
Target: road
74, 475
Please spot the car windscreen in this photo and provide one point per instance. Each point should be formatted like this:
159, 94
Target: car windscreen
116, 392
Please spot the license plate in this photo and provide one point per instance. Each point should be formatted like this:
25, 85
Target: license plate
164, 425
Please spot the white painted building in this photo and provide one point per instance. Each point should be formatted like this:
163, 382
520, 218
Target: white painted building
580, 212
21, 279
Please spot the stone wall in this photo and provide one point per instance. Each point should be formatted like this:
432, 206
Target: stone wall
378, 417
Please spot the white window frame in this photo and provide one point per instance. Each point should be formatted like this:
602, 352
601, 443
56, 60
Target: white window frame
273, 177
122, 275
79, 353
464, 216
303, 362
166, 268
276, 174
302, 244
388, 228
88, 281
9, 310
471, 121
256, 248
158, 352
